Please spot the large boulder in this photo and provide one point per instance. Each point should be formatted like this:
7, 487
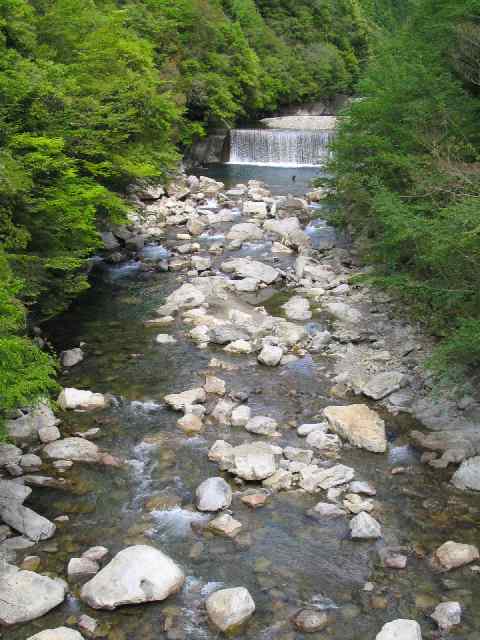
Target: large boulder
358, 424
135, 575
76, 449
245, 268
60, 633
400, 630
26, 595
228, 609
70, 398
213, 494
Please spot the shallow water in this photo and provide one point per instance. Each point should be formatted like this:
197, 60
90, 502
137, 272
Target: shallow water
283, 556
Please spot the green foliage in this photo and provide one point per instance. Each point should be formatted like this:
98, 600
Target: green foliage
408, 175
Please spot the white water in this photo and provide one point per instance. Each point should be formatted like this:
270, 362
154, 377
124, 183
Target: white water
279, 148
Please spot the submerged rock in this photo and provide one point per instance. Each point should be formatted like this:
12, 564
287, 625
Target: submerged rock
358, 424
135, 575
364, 527
400, 630
310, 621
26, 595
230, 608
213, 494
225, 525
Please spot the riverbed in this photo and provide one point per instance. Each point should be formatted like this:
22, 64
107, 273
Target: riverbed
287, 559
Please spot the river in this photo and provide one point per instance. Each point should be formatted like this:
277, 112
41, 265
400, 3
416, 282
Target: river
287, 559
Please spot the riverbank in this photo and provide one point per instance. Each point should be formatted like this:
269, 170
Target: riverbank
258, 321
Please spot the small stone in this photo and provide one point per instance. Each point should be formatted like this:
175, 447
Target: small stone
281, 480
241, 415
306, 429
95, 553
362, 487
88, 624
213, 494
262, 425
81, 567
255, 500
71, 357
31, 563
225, 525
327, 510
452, 555
165, 338
395, 561
239, 347
355, 504
364, 527
190, 423
49, 434
30, 462
270, 355
309, 621
447, 615
228, 609
215, 385
400, 630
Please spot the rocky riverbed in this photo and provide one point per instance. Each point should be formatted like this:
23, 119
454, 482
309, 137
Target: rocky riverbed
232, 450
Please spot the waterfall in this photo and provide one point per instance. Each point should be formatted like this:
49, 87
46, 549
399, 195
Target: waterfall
279, 147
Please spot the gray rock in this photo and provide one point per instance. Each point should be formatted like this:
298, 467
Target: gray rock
228, 609
245, 268
447, 615
226, 333
49, 434
298, 455
305, 429
110, 242
452, 555
358, 424
95, 553
9, 454
225, 525
81, 568
71, 357
253, 461
26, 595
327, 510
400, 630
270, 355
344, 312
310, 621
26, 521
135, 575
282, 227
222, 412
30, 462
364, 527
24, 430
181, 401
362, 487
60, 633
383, 384
70, 398
186, 297
13, 492
297, 308
240, 415
467, 476
262, 425
325, 442
313, 478
213, 494
281, 480
245, 231
75, 449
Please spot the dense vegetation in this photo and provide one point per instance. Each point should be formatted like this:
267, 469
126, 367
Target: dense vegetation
407, 160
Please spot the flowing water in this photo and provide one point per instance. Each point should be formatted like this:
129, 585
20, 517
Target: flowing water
285, 558
279, 147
